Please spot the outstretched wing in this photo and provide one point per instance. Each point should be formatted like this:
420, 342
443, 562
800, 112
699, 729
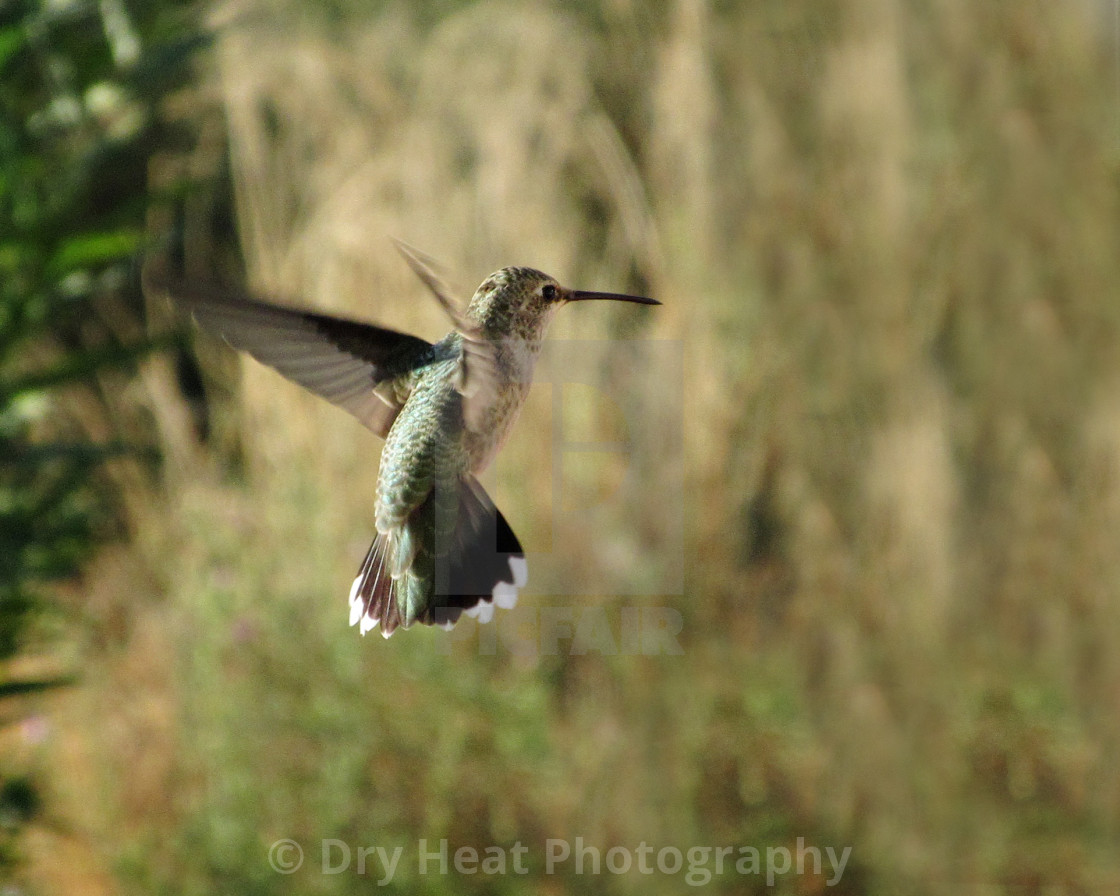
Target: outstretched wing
351, 364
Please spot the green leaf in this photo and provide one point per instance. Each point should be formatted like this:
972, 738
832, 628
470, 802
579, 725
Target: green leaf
12, 40
93, 249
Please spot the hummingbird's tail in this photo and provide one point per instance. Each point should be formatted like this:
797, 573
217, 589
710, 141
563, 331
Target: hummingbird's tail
482, 567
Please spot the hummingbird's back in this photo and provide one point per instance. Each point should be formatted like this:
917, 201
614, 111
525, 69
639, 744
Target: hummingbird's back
424, 445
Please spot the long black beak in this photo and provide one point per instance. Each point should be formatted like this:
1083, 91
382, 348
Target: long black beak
579, 295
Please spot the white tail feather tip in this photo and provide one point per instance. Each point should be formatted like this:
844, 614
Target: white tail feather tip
505, 595
485, 612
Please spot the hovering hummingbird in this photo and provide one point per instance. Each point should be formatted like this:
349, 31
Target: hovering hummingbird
445, 410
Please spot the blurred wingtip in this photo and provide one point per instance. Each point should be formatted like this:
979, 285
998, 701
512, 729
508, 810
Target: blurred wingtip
427, 269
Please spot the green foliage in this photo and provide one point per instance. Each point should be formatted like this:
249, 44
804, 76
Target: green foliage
76, 128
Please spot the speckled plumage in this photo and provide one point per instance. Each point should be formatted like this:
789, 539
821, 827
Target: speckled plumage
445, 410
430, 448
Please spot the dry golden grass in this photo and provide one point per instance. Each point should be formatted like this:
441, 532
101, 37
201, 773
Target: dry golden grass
886, 239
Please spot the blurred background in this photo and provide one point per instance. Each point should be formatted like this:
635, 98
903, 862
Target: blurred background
886, 238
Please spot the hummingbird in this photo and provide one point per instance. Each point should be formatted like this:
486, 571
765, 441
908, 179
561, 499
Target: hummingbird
445, 410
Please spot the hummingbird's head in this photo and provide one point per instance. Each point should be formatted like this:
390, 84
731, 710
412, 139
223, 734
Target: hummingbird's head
521, 301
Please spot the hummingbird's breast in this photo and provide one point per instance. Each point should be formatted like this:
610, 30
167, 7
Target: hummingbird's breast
492, 422
482, 445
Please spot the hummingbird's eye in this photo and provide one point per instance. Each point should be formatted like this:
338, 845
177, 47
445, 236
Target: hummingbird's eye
549, 292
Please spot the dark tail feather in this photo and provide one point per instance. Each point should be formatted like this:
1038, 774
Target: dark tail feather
372, 601
482, 568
